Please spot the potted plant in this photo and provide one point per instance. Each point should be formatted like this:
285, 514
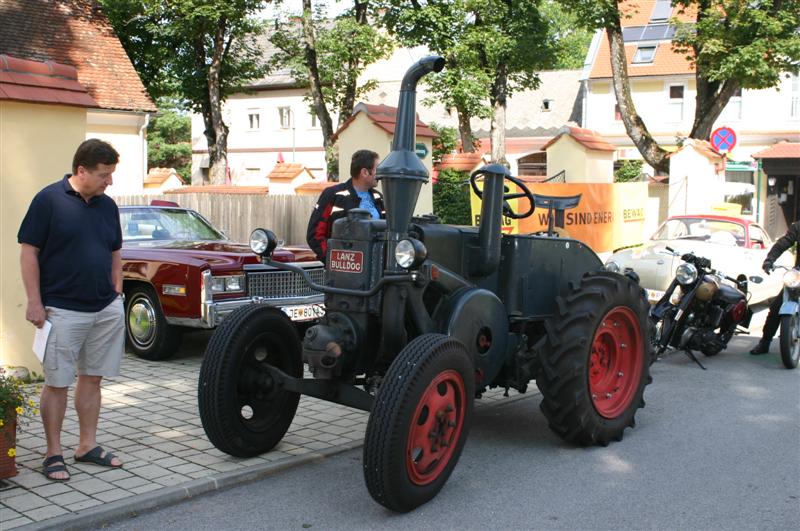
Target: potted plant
15, 401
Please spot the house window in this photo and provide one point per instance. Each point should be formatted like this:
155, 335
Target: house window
285, 115
795, 109
617, 113
645, 54
253, 120
733, 110
547, 105
675, 105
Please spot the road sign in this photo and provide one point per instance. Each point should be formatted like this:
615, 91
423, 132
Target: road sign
421, 150
723, 139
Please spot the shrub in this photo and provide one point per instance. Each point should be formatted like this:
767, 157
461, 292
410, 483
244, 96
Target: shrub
451, 198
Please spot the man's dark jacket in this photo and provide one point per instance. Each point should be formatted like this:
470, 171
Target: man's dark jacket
334, 202
791, 237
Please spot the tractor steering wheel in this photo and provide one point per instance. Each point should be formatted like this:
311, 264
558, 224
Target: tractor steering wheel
507, 210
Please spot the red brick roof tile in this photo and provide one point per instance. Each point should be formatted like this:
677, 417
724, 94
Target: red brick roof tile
286, 171
78, 34
460, 161
33, 81
703, 147
586, 137
781, 150
384, 117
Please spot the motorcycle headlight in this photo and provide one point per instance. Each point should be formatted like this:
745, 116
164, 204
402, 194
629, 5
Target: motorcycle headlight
686, 273
612, 266
410, 253
263, 241
227, 284
791, 279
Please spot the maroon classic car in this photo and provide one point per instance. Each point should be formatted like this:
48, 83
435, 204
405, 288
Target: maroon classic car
180, 272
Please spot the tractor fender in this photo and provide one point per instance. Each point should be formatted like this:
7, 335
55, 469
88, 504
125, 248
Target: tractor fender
477, 318
788, 308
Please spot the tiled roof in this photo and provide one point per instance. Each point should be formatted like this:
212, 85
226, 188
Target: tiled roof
703, 147
33, 81
76, 33
159, 175
781, 150
586, 137
219, 189
384, 117
666, 60
515, 145
460, 161
313, 187
286, 171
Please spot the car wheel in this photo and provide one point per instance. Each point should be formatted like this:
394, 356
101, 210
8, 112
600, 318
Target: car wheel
148, 333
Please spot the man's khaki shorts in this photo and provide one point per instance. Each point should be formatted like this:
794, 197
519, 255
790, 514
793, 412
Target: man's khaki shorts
89, 343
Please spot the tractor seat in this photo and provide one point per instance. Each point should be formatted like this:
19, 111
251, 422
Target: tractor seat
556, 205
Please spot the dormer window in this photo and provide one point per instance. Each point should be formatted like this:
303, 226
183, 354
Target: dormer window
547, 105
645, 54
661, 11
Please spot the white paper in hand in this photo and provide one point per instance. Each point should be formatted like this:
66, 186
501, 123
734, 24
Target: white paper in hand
40, 340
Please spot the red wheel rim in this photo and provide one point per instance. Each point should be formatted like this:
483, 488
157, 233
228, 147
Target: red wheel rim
435, 427
615, 363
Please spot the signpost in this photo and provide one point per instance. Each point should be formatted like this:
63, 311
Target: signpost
723, 139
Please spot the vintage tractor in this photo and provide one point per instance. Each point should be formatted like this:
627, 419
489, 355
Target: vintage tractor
421, 319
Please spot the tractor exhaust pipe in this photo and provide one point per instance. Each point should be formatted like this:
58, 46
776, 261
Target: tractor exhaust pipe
402, 172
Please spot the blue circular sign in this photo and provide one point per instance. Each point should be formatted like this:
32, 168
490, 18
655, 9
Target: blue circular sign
723, 139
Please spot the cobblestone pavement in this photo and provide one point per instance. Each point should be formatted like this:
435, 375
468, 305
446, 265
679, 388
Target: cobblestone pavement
150, 420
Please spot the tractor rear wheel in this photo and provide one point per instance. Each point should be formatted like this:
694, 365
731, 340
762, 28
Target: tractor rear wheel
419, 422
244, 413
595, 360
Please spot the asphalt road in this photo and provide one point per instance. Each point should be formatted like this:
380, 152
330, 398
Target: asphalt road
715, 449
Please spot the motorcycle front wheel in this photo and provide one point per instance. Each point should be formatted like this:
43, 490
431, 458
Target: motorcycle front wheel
790, 343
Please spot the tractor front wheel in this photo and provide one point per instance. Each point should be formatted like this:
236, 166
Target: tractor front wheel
419, 422
595, 360
243, 410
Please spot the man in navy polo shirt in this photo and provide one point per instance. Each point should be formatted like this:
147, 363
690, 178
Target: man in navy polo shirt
72, 272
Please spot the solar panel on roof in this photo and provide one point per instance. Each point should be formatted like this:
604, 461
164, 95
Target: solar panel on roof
632, 33
655, 33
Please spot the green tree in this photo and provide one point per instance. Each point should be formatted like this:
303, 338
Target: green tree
446, 141
451, 197
571, 39
198, 50
733, 45
630, 170
169, 138
330, 56
493, 47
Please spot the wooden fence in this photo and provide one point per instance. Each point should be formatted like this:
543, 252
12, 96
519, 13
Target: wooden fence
238, 214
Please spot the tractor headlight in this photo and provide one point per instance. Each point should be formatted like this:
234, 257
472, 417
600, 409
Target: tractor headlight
612, 266
263, 242
791, 279
686, 273
410, 253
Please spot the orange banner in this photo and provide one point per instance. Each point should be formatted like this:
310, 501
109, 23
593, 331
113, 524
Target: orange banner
607, 217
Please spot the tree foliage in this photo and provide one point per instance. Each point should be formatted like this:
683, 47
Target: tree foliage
451, 197
330, 55
169, 138
198, 50
629, 171
445, 142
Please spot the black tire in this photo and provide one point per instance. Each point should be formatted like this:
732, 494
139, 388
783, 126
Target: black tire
597, 340
148, 334
432, 370
243, 413
790, 344
709, 351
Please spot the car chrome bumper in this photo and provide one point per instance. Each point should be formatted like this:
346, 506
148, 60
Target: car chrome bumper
213, 312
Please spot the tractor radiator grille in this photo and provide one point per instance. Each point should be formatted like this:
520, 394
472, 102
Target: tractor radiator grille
282, 284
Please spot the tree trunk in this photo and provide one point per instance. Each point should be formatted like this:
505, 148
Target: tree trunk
315, 85
198, 46
498, 128
465, 131
712, 97
634, 126
219, 162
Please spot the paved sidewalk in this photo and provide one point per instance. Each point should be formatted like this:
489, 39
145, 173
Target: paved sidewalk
150, 420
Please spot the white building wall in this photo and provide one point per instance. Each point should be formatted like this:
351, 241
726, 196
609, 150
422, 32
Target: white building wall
125, 131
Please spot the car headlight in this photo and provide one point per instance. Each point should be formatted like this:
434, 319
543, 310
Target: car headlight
410, 253
263, 241
612, 266
791, 279
686, 273
227, 284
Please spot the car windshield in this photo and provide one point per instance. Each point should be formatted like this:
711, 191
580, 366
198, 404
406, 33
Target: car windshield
139, 224
703, 229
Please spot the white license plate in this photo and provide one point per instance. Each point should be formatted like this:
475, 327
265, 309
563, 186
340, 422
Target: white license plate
305, 312
654, 295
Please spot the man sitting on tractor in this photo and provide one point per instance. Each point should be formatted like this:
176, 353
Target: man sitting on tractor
334, 202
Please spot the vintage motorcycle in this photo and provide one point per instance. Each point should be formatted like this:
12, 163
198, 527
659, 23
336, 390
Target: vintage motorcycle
700, 310
790, 318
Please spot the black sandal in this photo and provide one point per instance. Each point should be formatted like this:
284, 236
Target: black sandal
53, 464
95, 456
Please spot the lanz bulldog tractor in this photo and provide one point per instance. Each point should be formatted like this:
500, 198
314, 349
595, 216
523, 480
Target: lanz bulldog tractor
421, 319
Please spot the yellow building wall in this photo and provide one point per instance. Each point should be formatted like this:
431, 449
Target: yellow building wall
37, 143
599, 166
362, 133
648, 86
567, 155
600, 88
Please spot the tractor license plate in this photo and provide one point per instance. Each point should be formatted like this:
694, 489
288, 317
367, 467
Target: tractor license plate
346, 261
305, 312
654, 295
